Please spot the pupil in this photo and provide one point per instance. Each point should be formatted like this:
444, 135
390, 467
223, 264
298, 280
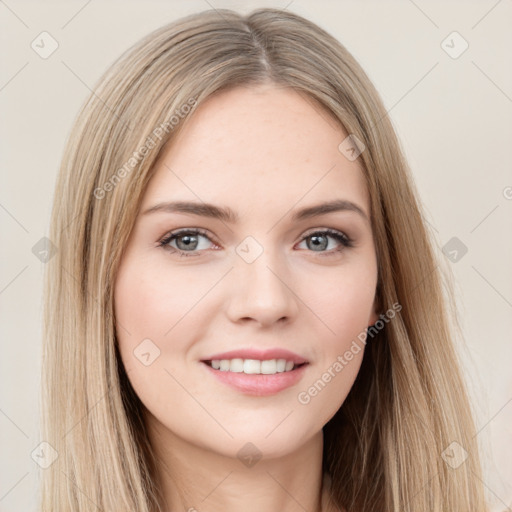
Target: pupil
316, 243
188, 240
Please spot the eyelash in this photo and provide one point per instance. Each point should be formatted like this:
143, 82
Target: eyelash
344, 240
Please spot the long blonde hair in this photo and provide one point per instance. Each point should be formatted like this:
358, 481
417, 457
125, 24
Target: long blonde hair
384, 447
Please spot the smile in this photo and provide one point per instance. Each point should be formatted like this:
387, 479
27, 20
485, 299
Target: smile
256, 383
253, 366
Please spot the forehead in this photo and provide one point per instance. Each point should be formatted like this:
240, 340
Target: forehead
250, 147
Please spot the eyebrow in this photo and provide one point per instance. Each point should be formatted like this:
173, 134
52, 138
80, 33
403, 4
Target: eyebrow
227, 215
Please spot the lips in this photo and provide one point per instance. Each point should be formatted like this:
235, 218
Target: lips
256, 384
260, 355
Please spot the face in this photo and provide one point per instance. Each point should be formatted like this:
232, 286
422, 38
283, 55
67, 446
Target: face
273, 275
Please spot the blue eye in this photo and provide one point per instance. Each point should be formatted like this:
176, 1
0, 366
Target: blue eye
319, 240
188, 242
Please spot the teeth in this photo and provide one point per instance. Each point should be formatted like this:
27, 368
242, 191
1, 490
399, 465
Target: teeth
253, 366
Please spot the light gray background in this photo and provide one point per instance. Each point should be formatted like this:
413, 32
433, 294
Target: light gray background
453, 116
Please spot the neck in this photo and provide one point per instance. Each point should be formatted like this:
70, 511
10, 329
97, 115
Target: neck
194, 478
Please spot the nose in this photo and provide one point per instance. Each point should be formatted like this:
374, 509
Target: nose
261, 292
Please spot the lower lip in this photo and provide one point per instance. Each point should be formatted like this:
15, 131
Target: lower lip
257, 384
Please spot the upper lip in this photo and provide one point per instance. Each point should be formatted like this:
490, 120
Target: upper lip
260, 355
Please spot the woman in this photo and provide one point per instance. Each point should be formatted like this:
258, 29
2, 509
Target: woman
245, 310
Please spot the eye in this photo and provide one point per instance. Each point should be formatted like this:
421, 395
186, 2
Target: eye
188, 242
319, 241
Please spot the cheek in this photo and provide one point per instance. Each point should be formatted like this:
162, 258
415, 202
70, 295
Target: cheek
159, 313
344, 305
344, 302
146, 307
152, 309
149, 301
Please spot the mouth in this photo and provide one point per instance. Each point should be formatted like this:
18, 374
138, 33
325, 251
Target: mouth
253, 366
256, 377
252, 361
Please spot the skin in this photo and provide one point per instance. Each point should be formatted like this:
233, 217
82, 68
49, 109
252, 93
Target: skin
265, 152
